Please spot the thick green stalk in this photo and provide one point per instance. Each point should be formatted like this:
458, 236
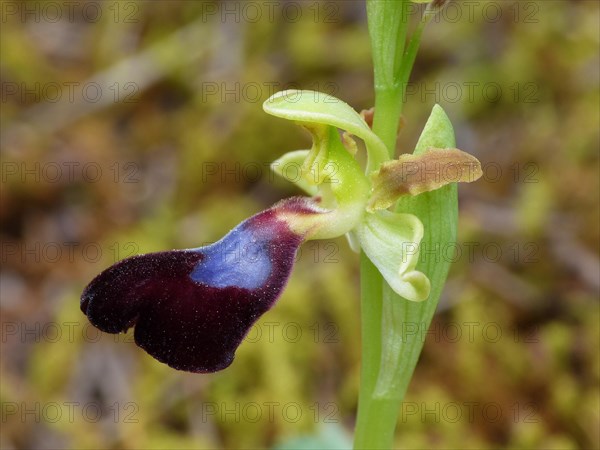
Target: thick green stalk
377, 417
388, 24
393, 328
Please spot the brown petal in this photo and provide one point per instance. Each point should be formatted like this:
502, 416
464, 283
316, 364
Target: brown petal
415, 174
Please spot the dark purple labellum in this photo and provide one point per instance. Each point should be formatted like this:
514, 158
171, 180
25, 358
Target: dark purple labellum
192, 308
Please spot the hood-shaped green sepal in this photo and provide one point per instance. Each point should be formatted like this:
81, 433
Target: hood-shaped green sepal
312, 107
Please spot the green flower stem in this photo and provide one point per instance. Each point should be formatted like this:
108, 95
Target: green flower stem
388, 24
388, 108
385, 344
377, 417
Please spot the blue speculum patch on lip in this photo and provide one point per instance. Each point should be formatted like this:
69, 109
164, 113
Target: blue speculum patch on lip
246, 258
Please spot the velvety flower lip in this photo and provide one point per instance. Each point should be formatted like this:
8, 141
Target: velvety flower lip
192, 308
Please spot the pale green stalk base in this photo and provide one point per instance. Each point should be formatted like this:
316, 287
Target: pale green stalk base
377, 418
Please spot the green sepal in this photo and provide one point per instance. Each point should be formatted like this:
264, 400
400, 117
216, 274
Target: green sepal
391, 241
312, 107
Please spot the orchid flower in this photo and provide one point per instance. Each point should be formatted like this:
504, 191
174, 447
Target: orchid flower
192, 308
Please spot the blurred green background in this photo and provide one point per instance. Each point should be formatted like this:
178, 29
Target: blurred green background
129, 127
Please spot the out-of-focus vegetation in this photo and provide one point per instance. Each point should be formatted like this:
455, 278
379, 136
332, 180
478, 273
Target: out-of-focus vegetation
169, 149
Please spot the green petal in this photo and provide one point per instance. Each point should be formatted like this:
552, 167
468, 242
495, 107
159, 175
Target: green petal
290, 168
312, 107
391, 241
